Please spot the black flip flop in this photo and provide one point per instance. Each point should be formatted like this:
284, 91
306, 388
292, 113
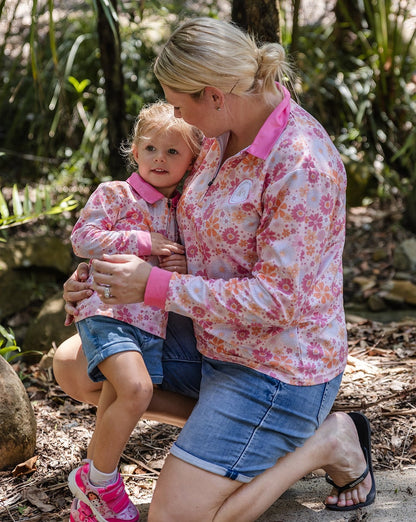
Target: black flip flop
364, 433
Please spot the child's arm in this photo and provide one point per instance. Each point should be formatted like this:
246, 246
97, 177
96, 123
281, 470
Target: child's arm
96, 231
174, 263
161, 246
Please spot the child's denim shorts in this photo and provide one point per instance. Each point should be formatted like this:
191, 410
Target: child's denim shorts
104, 336
244, 421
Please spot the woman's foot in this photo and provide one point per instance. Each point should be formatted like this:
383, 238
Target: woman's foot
348, 463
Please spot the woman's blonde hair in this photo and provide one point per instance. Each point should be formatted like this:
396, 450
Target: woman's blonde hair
159, 117
207, 52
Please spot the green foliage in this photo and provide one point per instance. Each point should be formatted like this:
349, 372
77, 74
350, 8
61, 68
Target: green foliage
52, 104
359, 82
8, 347
31, 208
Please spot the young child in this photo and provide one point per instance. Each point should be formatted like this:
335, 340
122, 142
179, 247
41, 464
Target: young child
123, 343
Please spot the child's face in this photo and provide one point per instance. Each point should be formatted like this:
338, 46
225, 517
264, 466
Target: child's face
163, 159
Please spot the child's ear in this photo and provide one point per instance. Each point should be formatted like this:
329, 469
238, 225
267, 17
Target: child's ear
135, 153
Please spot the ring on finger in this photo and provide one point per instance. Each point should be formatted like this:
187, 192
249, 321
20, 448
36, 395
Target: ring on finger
107, 292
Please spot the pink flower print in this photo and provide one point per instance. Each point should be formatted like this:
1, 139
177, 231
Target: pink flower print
234, 306
326, 204
134, 216
315, 221
307, 283
208, 212
191, 251
198, 311
308, 163
299, 213
312, 176
315, 351
230, 236
308, 369
262, 355
242, 335
285, 286
322, 292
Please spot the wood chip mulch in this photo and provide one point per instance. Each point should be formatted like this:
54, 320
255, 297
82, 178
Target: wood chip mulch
379, 381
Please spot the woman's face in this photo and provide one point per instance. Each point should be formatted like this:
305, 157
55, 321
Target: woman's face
200, 112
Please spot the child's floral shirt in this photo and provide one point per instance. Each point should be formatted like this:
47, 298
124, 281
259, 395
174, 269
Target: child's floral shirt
118, 219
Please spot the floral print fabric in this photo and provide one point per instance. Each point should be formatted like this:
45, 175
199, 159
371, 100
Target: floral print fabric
264, 236
118, 218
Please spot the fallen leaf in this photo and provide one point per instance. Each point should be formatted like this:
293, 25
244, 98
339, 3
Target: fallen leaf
38, 498
24, 468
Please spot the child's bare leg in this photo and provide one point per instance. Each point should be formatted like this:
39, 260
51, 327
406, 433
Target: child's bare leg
125, 396
70, 370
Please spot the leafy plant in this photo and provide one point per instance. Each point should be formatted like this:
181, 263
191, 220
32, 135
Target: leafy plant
8, 346
28, 210
361, 69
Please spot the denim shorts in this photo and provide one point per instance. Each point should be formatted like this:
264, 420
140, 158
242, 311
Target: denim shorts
244, 421
104, 336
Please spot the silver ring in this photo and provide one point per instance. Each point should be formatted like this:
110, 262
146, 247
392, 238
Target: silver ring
107, 292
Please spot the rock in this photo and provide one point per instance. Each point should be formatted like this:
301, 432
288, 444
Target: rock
404, 257
17, 420
48, 327
376, 303
400, 292
45, 251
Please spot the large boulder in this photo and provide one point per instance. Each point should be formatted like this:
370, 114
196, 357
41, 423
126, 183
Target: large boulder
48, 328
17, 420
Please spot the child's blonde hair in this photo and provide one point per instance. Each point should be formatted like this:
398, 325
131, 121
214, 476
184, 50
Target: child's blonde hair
207, 52
159, 117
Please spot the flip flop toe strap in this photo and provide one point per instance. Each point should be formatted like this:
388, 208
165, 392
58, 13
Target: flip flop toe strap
352, 484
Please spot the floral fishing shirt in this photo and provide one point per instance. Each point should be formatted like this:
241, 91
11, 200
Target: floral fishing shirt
118, 219
264, 235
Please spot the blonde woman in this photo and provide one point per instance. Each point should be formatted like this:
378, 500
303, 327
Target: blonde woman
262, 219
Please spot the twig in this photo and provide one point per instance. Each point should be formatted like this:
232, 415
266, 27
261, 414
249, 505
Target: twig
139, 463
398, 412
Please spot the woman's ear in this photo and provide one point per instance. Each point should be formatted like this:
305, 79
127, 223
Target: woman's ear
215, 97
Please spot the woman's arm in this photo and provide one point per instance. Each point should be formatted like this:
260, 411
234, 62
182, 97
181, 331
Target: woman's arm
126, 275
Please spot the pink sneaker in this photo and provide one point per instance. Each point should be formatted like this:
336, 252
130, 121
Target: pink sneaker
109, 504
80, 512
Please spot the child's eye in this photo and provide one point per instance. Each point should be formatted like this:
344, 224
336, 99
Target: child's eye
150, 148
172, 151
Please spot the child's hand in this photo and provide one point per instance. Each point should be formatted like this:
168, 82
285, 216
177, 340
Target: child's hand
174, 263
164, 247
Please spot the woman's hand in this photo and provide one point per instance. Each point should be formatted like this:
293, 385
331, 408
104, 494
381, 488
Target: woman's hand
174, 263
76, 289
125, 276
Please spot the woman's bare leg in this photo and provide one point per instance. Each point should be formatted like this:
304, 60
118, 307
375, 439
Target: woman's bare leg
70, 370
184, 492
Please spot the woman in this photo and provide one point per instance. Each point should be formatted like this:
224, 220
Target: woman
263, 222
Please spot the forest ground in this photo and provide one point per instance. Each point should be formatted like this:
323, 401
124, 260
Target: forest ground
379, 381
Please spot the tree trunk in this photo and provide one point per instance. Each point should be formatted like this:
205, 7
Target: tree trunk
114, 88
258, 17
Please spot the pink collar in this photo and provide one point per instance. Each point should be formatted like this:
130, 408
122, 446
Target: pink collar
147, 192
272, 128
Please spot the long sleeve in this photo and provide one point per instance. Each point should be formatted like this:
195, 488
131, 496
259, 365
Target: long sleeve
112, 221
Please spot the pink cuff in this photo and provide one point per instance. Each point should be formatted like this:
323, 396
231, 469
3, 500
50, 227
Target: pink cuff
157, 287
145, 243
